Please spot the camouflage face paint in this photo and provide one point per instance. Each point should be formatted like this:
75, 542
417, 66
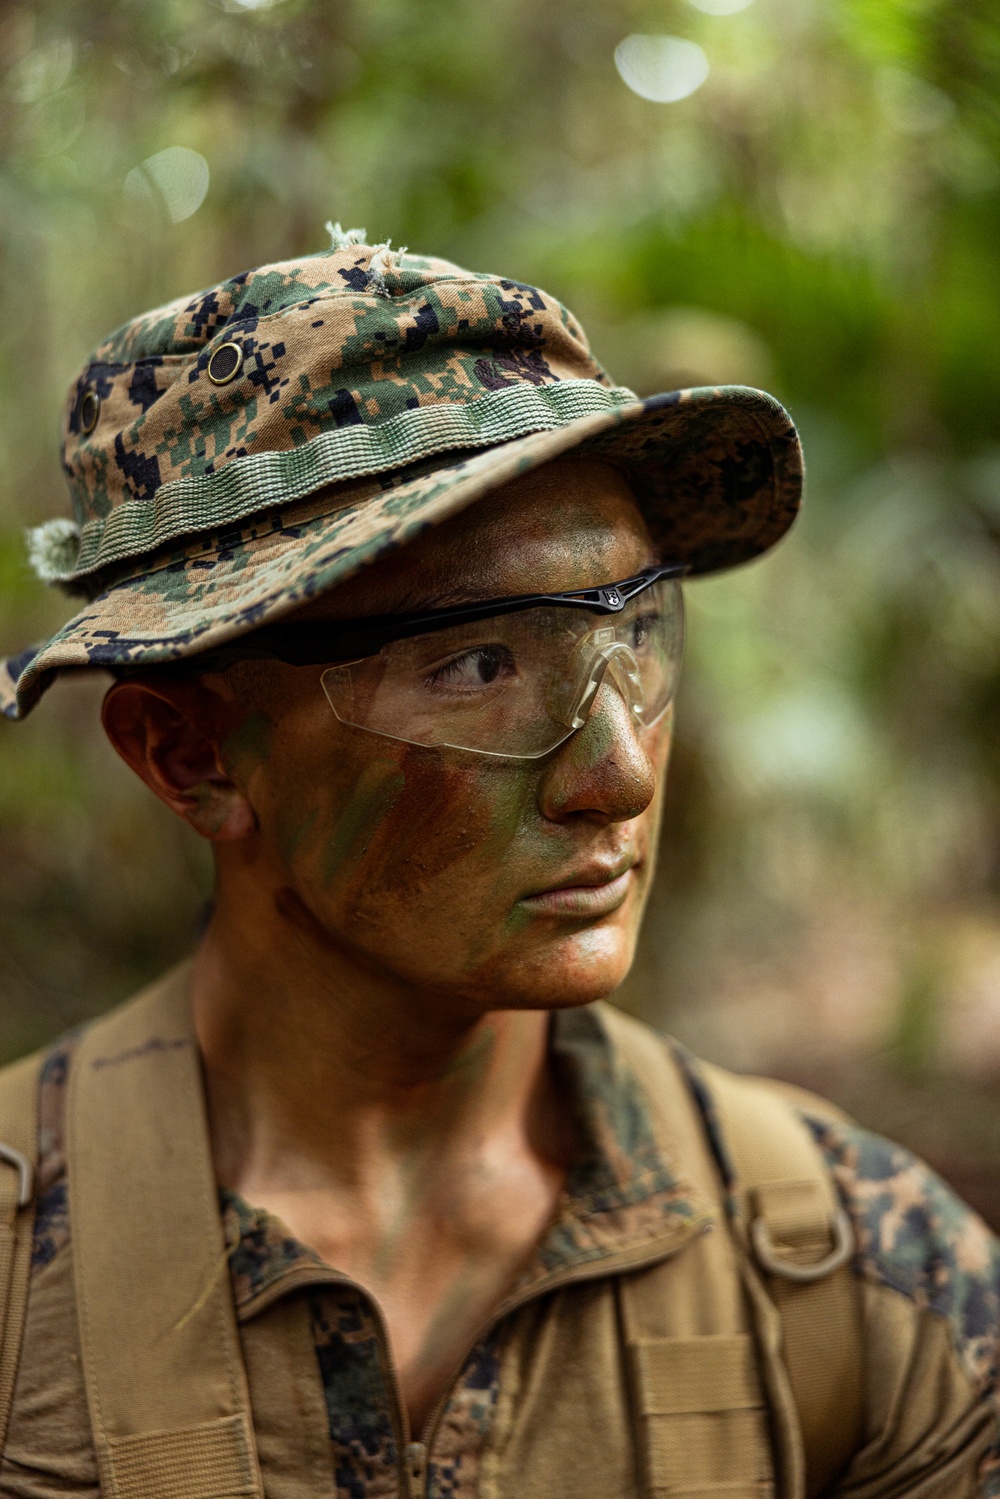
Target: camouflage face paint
419, 860
378, 789
249, 743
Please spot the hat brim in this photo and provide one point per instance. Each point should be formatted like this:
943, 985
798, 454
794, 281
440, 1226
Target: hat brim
717, 472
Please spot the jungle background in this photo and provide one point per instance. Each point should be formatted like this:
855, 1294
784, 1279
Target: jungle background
797, 194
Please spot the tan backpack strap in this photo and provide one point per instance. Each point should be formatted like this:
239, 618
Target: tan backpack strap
166, 1385
699, 1403
18, 1159
794, 1227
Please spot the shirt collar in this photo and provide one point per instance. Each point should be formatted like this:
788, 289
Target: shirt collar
622, 1201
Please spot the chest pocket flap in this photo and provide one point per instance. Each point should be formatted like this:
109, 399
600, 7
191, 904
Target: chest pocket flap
701, 1415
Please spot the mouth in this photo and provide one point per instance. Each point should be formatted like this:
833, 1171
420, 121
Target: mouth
590, 894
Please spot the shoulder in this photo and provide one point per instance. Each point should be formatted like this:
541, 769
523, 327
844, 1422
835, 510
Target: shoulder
914, 1235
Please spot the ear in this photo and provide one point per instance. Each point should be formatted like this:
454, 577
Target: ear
169, 732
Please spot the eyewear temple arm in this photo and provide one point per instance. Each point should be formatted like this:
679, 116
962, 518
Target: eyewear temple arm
325, 642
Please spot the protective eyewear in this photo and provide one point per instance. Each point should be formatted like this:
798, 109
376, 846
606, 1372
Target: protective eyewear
511, 677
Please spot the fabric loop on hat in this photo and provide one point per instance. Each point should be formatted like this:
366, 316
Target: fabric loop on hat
257, 480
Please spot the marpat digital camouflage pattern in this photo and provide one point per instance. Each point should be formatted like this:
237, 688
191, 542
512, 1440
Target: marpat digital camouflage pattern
237, 452
928, 1272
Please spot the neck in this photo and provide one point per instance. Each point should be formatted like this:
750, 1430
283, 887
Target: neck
322, 1072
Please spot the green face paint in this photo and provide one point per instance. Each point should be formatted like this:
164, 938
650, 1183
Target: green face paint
249, 744
296, 833
376, 793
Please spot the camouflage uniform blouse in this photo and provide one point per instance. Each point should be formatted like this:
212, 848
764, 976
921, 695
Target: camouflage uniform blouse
540, 1409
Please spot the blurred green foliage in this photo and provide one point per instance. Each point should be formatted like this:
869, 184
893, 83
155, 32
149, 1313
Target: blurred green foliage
822, 216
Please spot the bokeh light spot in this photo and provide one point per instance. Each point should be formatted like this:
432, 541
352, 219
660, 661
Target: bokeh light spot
177, 177
720, 7
664, 69
41, 73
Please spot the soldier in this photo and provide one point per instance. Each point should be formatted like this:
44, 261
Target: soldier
377, 1196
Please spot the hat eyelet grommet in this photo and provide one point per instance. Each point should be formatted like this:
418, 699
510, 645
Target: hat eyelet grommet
90, 411
225, 363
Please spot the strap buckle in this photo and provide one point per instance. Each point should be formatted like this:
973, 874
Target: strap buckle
774, 1264
25, 1173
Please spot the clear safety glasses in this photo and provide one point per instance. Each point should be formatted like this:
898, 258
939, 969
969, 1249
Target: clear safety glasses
510, 677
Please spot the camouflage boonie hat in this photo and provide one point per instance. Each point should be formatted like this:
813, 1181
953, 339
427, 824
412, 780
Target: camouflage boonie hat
233, 454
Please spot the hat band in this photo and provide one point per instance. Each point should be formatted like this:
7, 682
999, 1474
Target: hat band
257, 481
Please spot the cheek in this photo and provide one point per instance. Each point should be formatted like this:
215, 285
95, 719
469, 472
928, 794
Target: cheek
409, 824
451, 834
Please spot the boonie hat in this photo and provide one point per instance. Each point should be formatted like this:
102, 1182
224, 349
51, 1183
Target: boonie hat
238, 452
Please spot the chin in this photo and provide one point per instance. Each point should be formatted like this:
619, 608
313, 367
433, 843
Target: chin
574, 970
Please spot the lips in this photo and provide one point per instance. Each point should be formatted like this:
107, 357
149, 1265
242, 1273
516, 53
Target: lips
592, 893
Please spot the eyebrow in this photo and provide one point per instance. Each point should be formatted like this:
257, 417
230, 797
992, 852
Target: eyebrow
447, 598
408, 601
311, 642
414, 602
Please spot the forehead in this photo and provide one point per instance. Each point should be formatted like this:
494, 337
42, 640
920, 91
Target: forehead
569, 524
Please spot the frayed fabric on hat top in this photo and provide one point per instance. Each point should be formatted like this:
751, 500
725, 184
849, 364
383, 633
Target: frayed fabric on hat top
340, 239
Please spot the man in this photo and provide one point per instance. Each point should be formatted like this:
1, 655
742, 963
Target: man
370, 1199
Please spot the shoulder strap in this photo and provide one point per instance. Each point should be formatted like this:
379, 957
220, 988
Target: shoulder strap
18, 1158
797, 1246
794, 1228
166, 1384
706, 1420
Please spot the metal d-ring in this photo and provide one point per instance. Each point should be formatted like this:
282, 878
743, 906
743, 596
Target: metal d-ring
843, 1248
25, 1172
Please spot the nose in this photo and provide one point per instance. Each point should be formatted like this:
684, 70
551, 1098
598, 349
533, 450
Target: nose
603, 772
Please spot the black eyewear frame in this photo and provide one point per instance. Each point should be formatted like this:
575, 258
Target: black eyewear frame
325, 642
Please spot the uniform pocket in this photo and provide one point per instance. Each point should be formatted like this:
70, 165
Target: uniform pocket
701, 1415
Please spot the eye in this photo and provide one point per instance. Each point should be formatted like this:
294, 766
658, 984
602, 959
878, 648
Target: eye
643, 629
476, 668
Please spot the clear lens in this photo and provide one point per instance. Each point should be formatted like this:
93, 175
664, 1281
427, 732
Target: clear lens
519, 684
